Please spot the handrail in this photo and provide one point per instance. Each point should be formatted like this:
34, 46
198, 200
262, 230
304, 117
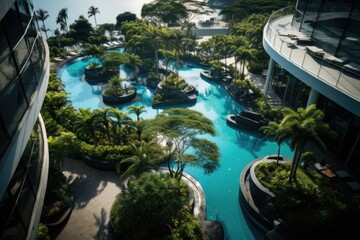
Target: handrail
340, 77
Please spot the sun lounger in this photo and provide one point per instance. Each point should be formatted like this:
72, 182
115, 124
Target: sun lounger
58, 59
335, 60
342, 174
354, 185
73, 53
315, 51
352, 67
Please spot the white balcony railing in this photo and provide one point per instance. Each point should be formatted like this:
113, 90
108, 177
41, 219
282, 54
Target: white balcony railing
343, 77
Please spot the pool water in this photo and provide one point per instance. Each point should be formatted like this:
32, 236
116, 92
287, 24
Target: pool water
237, 148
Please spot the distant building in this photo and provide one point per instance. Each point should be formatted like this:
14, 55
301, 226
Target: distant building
24, 73
315, 58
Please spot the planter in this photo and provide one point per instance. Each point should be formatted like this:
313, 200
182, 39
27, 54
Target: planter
186, 95
95, 76
99, 164
109, 99
62, 217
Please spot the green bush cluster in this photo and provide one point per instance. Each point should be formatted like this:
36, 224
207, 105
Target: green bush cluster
154, 207
57, 198
105, 152
173, 82
309, 200
114, 91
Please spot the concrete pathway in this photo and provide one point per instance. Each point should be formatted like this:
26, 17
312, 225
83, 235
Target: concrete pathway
94, 192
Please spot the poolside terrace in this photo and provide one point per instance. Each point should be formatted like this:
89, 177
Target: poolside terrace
324, 72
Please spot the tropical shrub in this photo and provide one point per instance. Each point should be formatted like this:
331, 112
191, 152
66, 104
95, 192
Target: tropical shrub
173, 82
154, 207
57, 197
309, 201
105, 152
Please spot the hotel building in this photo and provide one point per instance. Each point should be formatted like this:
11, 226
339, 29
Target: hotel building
314, 54
24, 72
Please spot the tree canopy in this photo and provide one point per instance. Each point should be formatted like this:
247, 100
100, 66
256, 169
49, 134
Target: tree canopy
81, 29
125, 17
180, 132
154, 207
241, 9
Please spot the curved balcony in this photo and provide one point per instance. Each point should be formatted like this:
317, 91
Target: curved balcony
325, 73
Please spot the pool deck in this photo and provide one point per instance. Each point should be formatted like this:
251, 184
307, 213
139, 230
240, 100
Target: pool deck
94, 192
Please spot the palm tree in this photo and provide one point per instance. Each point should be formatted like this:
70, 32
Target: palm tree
152, 36
42, 15
85, 126
303, 126
121, 121
137, 110
140, 162
62, 19
133, 61
95, 51
92, 13
273, 129
172, 57
103, 121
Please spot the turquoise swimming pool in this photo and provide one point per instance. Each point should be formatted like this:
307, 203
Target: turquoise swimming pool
237, 148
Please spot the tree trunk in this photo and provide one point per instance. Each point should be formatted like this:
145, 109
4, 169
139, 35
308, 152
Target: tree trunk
278, 154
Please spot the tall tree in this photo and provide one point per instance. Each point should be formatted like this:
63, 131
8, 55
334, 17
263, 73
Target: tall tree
62, 19
42, 15
125, 17
142, 160
137, 110
179, 130
133, 61
92, 13
81, 29
303, 126
273, 129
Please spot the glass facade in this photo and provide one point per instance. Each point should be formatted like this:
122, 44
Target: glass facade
17, 203
332, 24
21, 61
291, 91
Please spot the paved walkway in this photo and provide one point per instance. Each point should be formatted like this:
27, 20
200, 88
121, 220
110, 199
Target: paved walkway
94, 192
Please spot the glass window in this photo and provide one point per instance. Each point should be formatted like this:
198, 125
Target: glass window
34, 168
25, 202
24, 14
4, 139
28, 80
21, 53
37, 61
13, 27
31, 34
8, 73
310, 16
12, 107
14, 229
17, 181
4, 47
6, 206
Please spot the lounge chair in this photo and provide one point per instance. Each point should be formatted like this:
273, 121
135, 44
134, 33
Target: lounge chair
332, 59
353, 68
315, 51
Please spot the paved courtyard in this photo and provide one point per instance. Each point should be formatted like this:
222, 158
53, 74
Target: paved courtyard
94, 192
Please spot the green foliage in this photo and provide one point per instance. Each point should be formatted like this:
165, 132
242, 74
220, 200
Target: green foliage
114, 91
309, 201
112, 61
173, 82
181, 130
57, 197
42, 232
187, 228
105, 152
80, 30
163, 204
125, 17
241, 9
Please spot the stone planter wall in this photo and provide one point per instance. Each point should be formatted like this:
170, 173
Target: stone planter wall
99, 164
263, 198
119, 99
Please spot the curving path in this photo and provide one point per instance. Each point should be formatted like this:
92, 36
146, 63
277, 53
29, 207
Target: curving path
94, 192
